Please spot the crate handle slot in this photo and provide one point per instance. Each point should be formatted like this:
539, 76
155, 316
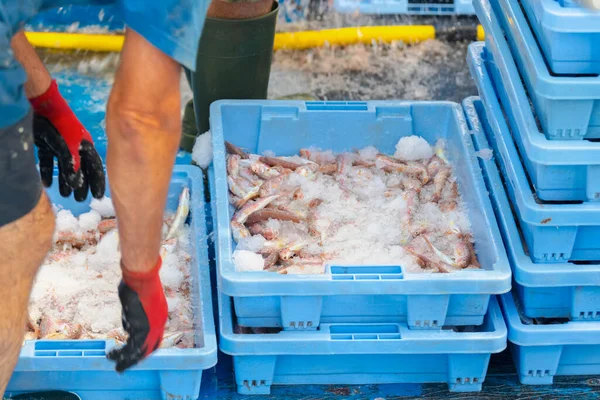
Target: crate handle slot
68, 348
336, 106
364, 332
358, 273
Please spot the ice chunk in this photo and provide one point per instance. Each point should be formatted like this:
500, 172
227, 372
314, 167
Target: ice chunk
104, 207
368, 153
202, 153
485, 154
89, 221
319, 156
173, 303
245, 260
171, 277
410, 148
107, 252
253, 243
66, 222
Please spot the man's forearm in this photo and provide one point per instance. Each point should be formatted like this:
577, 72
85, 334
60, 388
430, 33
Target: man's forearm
38, 77
143, 127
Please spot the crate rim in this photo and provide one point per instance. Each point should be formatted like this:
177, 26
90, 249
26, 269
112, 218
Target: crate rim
571, 333
297, 343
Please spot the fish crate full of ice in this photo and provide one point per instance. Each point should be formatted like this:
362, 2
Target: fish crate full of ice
546, 290
356, 235
75, 313
567, 107
367, 353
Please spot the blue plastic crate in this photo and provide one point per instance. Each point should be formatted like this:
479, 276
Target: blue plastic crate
554, 232
546, 290
355, 293
361, 354
81, 366
568, 34
452, 7
541, 352
559, 170
568, 107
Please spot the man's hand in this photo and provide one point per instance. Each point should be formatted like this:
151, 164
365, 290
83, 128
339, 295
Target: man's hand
59, 134
145, 313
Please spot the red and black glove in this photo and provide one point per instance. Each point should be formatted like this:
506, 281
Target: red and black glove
59, 134
145, 313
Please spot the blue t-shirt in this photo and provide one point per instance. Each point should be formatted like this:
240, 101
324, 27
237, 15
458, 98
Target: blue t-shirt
173, 26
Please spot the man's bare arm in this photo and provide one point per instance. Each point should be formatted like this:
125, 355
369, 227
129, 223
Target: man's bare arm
38, 77
143, 125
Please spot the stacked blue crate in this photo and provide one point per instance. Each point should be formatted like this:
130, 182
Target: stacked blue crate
356, 324
541, 348
568, 35
361, 353
555, 232
568, 107
544, 184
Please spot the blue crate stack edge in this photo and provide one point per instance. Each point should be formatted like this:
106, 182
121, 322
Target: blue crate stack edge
543, 178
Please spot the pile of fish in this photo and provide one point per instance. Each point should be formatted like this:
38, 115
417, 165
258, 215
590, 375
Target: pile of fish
75, 293
294, 215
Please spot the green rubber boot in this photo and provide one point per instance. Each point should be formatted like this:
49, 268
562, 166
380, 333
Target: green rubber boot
234, 62
188, 123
